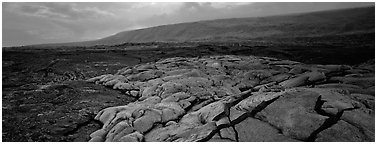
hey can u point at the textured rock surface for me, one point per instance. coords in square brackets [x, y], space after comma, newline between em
[236, 98]
[254, 130]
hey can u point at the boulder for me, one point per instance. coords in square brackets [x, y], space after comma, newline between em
[145, 122]
[293, 113]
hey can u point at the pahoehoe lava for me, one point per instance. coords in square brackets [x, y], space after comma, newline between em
[294, 101]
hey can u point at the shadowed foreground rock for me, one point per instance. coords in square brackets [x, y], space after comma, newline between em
[235, 98]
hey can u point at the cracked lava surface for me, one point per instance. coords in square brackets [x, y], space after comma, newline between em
[239, 98]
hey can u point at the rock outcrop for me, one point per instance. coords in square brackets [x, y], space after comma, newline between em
[239, 98]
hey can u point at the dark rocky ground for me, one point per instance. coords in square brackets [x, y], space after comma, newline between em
[46, 97]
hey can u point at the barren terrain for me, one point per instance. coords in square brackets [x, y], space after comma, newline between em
[292, 87]
[46, 98]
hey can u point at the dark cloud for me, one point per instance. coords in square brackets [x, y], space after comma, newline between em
[34, 23]
[59, 22]
[58, 11]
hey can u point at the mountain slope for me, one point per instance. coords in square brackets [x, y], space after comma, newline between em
[334, 22]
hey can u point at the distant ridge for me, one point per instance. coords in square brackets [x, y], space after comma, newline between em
[333, 22]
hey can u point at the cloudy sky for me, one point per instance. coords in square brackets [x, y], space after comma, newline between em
[36, 23]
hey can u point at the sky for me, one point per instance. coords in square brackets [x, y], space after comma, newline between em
[58, 22]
